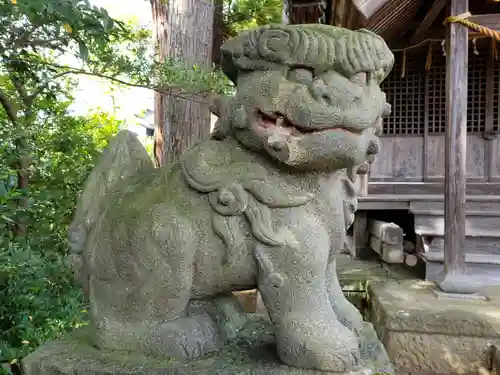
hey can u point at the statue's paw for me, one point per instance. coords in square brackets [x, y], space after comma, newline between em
[349, 316]
[354, 325]
[189, 337]
[318, 343]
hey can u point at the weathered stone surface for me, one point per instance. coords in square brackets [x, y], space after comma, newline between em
[265, 203]
[425, 335]
[252, 353]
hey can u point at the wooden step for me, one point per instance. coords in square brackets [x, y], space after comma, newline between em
[394, 188]
[475, 226]
[488, 272]
[422, 203]
[482, 257]
[474, 245]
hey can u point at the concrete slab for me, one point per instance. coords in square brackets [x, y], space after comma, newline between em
[427, 335]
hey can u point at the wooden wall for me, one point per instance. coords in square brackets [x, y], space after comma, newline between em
[413, 141]
[420, 159]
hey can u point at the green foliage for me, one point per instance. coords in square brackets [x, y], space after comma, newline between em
[34, 33]
[39, 298]
[37, 133]
[243, 14]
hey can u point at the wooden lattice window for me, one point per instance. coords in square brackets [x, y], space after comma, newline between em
[406, 96]
[476, 91]
[436, 94]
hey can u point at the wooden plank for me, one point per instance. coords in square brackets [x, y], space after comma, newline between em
[400, 158]
[471, 258]
[455, 146]
[389, 233]
[491, 21]
[247, 300]
[429, 19]
[368, 8]
[408, 246]
[360, 238]
[393, 254]
[376, 244]
[411, 260]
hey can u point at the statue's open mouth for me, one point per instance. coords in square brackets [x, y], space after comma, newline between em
[284, 126]
[287, 142]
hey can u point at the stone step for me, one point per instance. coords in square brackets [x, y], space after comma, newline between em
[427, 334]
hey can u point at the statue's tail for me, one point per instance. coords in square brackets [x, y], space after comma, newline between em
[124, 157]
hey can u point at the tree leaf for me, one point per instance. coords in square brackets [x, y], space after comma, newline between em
[108, 23]
[68, 28]
[84, 51]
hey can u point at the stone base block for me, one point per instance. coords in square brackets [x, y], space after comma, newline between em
[252, 353]
[427, 335]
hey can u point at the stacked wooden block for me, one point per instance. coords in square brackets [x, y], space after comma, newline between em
[387, 240]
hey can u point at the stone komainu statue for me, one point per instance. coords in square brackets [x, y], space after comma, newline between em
[265, 203]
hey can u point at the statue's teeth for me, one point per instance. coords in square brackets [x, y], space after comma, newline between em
[280, 121]
[351, 173]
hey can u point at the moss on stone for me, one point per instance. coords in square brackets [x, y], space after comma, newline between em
[252, 352]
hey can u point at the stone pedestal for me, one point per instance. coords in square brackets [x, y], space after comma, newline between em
[426, 334]
[252, 353]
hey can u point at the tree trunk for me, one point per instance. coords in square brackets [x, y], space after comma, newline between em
[22, 148]
[160, 18]
[218, 34]
[23, 166]
[182, 30]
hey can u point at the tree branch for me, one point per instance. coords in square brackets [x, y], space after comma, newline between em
[77, 71]
[9, 107]
[26, 99]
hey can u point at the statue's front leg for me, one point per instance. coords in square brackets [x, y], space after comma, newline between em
[346, 312]
[292, 282]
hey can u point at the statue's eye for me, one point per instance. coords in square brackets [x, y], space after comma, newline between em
[301, 75]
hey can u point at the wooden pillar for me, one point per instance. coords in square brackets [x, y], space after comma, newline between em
[454, 279]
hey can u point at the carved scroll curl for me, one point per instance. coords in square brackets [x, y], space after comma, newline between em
[238, 186]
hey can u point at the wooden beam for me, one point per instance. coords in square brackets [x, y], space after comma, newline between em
[436, 33]
[491, 21]
[454, 279]
[429, 19]
[368, 8]
[428, 188]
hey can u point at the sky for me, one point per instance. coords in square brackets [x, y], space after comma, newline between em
[95, 93]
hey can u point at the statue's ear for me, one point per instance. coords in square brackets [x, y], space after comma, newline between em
[221, 107]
